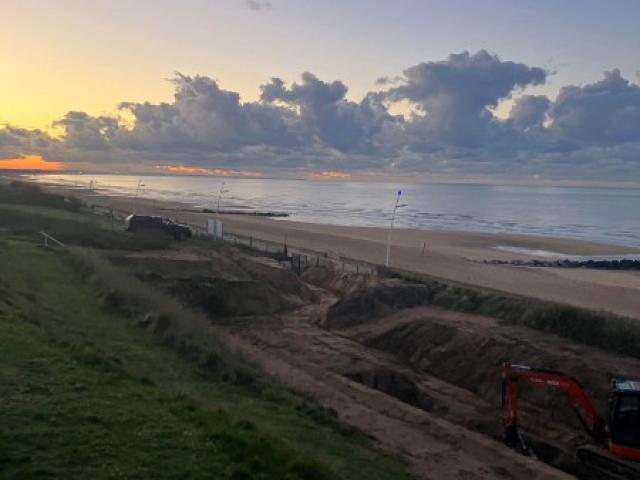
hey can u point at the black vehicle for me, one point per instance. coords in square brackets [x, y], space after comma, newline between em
[136, 223]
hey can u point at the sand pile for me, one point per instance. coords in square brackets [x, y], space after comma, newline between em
[369, 303]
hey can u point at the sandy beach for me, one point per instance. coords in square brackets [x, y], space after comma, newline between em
[458, 256]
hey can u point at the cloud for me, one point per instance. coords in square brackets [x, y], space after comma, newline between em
[529, 111]
[386, 80]
[203, 117]
[16, 142]
[455, 96]
[312, 124]
[83, 131]
[328, 118]
[604, 113]
[258, 4]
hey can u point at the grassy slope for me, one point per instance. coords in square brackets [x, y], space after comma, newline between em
[87, 395]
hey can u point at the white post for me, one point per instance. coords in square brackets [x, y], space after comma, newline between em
[222, 192]
[138, 188]
[140, 185]
[393, 218]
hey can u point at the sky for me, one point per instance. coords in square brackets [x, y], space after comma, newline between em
[182, 83]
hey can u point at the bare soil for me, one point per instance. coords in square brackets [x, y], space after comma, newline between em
[423, 382]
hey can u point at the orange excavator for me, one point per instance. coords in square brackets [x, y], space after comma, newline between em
[616, 454]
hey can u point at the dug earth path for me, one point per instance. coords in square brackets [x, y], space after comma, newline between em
[318, 362]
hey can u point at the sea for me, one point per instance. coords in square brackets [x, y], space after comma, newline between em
[607, 215]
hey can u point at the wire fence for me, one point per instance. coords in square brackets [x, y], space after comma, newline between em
[299, 258]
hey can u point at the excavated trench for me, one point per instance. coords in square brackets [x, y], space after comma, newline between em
[465, 352]
[443, 362]
[483, 420]
[397, 385]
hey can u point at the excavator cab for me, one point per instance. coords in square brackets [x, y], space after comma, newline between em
[624, 420]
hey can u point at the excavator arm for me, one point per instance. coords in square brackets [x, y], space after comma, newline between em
[513, 376]
[606, 463]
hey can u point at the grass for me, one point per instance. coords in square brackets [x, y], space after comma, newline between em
[174, 324]
[23, 193]
[86, 394]
[26, 210]
[75, 229]
[599, 329]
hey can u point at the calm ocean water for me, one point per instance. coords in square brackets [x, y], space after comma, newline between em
[600, 214]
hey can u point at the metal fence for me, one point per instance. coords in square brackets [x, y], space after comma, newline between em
[300, 258]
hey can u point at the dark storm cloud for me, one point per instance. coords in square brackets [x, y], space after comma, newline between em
[604, 113]
[328, 118]
[464, 81]
[529, 111]
[455, 96]
[83, 131]
[588, 130]
[16, 141]
[204, 117]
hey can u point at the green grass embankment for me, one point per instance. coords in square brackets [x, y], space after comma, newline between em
[87, 394]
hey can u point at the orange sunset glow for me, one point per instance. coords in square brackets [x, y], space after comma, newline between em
[330, 175]
[215, 172]
[31, 162]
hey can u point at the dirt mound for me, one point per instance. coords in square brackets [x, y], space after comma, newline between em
[384, 298]
[337, 282]
[466, 351]
[223, 282]
[222, 297]
[270, 272]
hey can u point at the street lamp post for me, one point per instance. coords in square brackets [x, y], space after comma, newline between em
[393, 219]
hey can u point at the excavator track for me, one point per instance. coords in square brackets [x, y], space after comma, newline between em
[599, 464]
